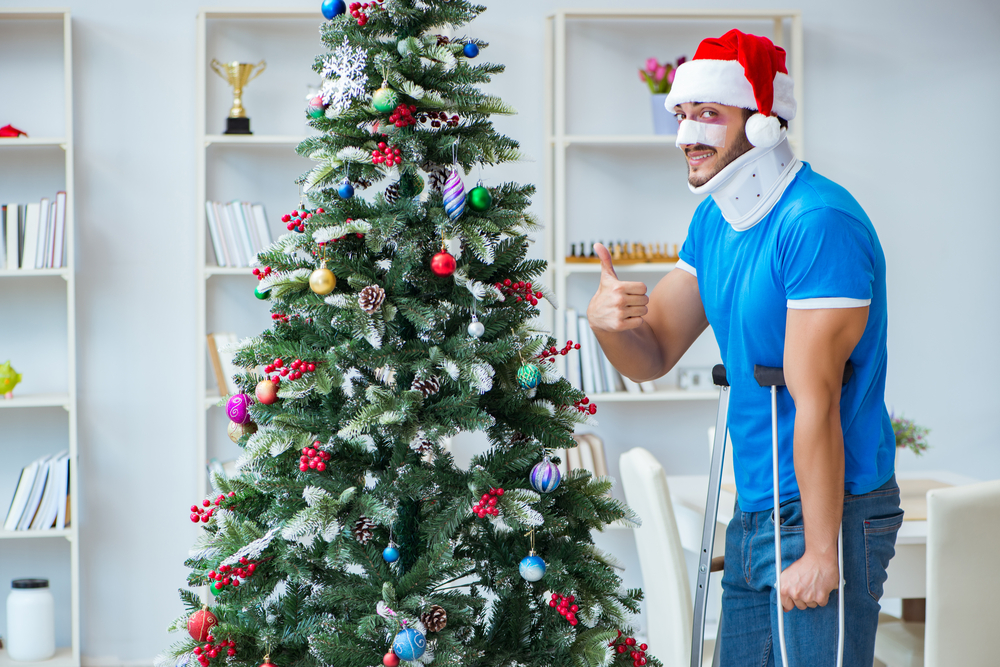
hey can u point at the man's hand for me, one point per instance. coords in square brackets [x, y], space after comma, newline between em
[808, 581]
[617, 306]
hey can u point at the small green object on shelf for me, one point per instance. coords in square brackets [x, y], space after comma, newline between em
[8, 379]
[480, 199]
[528, 376]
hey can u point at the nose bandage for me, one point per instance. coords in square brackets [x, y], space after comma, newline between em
[693, 132]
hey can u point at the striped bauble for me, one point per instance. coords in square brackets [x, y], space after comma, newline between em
[545, 476]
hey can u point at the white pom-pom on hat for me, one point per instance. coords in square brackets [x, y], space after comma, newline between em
[763, 131]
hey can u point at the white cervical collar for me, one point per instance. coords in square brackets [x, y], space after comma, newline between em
[748, 187]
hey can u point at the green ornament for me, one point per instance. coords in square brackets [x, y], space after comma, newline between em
[385, 99]
[528, 376]
[8, 379]
[261, 295]
[479, 199]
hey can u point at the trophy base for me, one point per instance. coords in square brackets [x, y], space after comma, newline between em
[237, 126]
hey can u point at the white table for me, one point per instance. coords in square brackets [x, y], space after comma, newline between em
[907, 572]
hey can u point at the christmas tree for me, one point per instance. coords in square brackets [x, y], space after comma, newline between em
[403, 313]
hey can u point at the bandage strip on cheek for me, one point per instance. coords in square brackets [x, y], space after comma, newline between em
[693, 132]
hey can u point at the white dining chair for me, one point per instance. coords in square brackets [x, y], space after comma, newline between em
[963, 585]
[661, 557]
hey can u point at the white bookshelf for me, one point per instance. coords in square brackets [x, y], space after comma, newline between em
[39, 284]
[288, 39]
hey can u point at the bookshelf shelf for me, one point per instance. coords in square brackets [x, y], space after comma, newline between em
[58, 50]
[615, 139]
[229, 271]
[252, 139]
[595, 267]
[37, 401]
[663, 395]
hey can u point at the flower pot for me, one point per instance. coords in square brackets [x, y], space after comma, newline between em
[664, 121]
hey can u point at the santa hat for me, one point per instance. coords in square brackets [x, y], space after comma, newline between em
[739, 70]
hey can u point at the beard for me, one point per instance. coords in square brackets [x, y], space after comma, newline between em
[725, 158]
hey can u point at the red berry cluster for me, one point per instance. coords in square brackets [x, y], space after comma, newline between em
[203, 515]
[227, 576]
[357, 10]
[297, 219]
[292, 371]
[266, 271]
[403, 115]
[438, 117]
[387, 155]
[637, 653]
[488, 504]
[313, 459]
[551, 353]
[522, 290]
[213, 650]
[565, 607]
[584, 405]
[279, 317]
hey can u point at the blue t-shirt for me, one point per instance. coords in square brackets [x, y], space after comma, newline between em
[815, 249]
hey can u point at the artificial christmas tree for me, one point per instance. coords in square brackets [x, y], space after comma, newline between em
[364, 540]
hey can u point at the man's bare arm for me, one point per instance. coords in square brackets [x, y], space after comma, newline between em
[818, 344]
[642, 336]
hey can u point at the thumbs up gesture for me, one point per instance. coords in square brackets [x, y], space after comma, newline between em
[618, 305]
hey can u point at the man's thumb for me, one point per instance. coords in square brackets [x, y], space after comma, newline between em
[605, 257]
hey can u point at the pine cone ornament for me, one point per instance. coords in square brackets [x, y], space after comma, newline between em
[442, 40]
[392, 193]
[437, 174]
[427, 387]
[363, 529]
[371, 298]
[362, 183]
[421, 446]
[434, 620]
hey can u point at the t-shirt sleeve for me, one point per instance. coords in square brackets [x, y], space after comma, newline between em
[827, 260]
[686, 256]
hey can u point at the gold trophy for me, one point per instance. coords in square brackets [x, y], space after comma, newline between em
[238, 75]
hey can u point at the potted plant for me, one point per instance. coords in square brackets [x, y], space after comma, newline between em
[659, 77]
[909, 435]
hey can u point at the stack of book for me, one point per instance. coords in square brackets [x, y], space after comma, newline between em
[588, 455]
[221, 350]
[590, 371]
[41, 500]
[33, 236]
[239, 231]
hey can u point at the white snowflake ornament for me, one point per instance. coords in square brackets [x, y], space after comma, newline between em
[345, 74]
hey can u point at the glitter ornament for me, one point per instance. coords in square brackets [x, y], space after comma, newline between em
[480, 199]
[200, 624]
[333, 8]
[391, 553]
[237, 431]
[443, 264]
[390, 659]
[322, 281]
[545, 476]
[476, 328]
[385, 99]
[409, 644]
[532, 567]
[238, 408]
[267, 392]
[345, 189]
[528, 376]
[454, 195]
[470, 50]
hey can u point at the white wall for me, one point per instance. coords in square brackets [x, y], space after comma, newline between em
[901, 101]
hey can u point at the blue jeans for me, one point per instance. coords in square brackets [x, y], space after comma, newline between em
[749, 604]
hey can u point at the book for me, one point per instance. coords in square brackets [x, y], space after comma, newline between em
[223, 235]
[611, 374]
[213, 232]
[221, 350]
[647, 387]
[62, 497]
[35, 497]
[631, 386]
[232, 234]
[48, 510]
[37, 258]
[30, 251]
[3, 236]
[597, 450]
[593, 356]
[263, 229]
[44, 261]
[255, 239]
[586, 367]
[573, 358]
[573, 455]
[242, 233]
[59, 233]
[21, 493]
[586, 453]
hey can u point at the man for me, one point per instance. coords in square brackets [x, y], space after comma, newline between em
[788, 270]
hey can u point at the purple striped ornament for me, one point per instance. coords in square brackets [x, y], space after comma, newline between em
[545, 476]
[238, 408]
[454, 195]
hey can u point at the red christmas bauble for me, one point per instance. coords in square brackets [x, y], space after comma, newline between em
[268, 664]
[267, 392]
[390, 659]
[443, 264]
[200, 624]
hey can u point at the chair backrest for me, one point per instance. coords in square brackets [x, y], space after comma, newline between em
[963, 579]
[661, 556]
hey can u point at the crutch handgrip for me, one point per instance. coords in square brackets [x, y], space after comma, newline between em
[770, 376]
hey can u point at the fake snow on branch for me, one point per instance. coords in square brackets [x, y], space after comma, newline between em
[345, 71]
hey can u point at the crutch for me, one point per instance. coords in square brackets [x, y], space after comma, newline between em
[766, 377]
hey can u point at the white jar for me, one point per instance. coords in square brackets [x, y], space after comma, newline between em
[31, 631]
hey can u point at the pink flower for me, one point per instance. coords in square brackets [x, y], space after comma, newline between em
[642, 76]
[651, 65]
[670, 76]
[661, 72]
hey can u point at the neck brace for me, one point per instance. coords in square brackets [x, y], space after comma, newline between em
[748, 187]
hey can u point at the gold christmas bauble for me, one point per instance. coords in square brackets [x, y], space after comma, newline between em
[237, 431]
[322, 281]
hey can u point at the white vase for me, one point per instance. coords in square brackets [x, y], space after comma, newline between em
[664, 120]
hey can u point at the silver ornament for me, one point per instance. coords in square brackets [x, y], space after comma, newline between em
[476, 328]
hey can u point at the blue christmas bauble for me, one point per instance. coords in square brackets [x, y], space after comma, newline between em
[545, 476]
[528, 376]
[454, 195]
[333, 8]
[470, 50]
[532, 568]
[409, 644]
[345, 190]
[390, 553]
